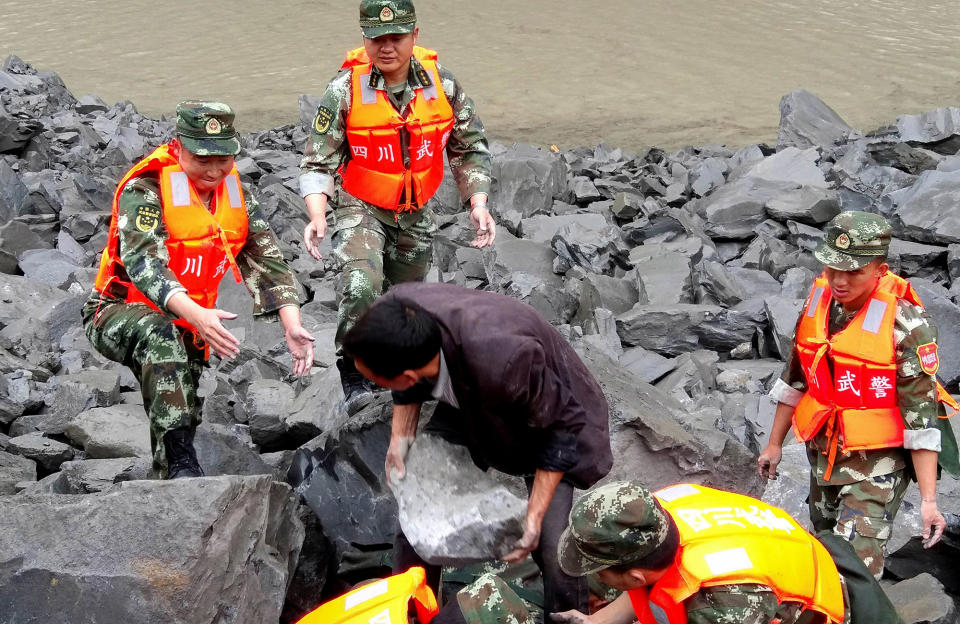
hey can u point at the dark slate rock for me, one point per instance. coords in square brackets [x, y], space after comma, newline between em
[729, 286]
[584, 190]
[646, 365]
[228, 450]
[527, 179]
[665, 277]
[626, 205]
[90, 104]
[927, 209]
[804, 236]
[915, 258]
[782, 315]
[451, 511]
[647, 438]
[524, 270]
[610, 293]
[666, 329]
[542, 228]
[108, 432]
[268, 401]
[735, 209]
[707, 175]
[308, 105]
[16, 130]
[49, 311]
[806, 121]
[809, 204]
[94, 475]
[14, 197]
[922, 600]
[953, 261]
[48, 266]
[599, 251]
[48, 453]
[144, 543]
[797, 282]
[693, 377]
[938, 129]
[340, 476]
[15, 469]
[789, 166]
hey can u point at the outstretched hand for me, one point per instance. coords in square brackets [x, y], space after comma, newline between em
[486, 227]
[396, 454]
[527, 543]
[209, 324]
[934, 523]
[300, 343]
[769, 460]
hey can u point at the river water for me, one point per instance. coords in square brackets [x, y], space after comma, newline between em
[631, 73]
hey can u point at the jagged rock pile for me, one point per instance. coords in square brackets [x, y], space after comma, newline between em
[678, 276]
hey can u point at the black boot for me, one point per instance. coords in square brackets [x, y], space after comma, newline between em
[181, 456]
[357, 392]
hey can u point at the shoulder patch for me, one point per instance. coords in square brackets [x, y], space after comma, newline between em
[321, 122]
[929, 359]
[148, 218]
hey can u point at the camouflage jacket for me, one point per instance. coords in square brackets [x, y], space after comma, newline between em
[146, 260]
[916, 395]
[739, 604]
[467, 148]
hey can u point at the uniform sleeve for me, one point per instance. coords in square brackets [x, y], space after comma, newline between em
[549, 404]
[143, 248]
[265, 273]
[916, 390]
[326, 148]
[467, 148]
[729, 604]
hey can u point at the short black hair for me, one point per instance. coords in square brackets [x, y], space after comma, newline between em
[662, 556]
[393, 336]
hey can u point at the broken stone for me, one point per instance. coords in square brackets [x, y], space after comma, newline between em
[809, 204]
[665, 277]
[15, 469]
[48, 454]
[937, 129]
[646, 365]
[922, 600]
[542, 228]
[915, 259]
[806, 121]
[228, 450]
[527, 179]
[927, 209]
[451, 511]
[116, 431]
[144, 543]
[599, 251]
[946, 315]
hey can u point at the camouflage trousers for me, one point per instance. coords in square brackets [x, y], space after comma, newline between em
[488, 600]
[862, 512]
[167, 366]
[373, 255]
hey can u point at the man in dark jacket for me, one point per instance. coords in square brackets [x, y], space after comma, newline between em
[510, 389]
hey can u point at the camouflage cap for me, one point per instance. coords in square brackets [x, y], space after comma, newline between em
[387, 17]
[489, 600]
[615, 524]
[852, 240]
[206, 129]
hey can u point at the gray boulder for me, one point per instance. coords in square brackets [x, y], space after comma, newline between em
[94, 475]
[646, 365]
[524, 269]
[937, 129]
[542, 228]
[666, 277]
[598, 251]
[228, 450]
[49, 454]
[909, 258]
[806, 121]
[14, 196]
[946, 315]
[191, 551]
[115, 431]
[782, 315]
[809, 204]
[527, 179]
[15, 469]
[452, 512]
[922, 600]
[927, 209]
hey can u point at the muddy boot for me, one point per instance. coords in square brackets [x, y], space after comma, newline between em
[181, 456]
[357, 392]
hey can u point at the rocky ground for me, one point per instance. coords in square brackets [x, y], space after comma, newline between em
[678, 276]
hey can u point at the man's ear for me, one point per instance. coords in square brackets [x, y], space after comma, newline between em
[175, 148]
[416, 32]
[410, 377]
[637, 575]
[883, 268]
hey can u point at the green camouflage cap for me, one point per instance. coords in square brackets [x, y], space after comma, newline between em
[206, 129]
[387, 17]
[489, 600]
[852, 240]
[615, 524]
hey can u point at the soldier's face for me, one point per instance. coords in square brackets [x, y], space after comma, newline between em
[206, 172]
[853, 288]
[391, 53]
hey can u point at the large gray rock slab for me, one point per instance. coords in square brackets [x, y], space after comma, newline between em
[452, 512]
[647, 438]
[48, 266]
[610, 293]
[646, 365]
[806, 121]
[927, 209]
[728, 286]
[116, 431]
[922, 600]
[48, 453]
[524, 270]
[809, 204]
[666, 278]
[913, 259]
[191, 551]
[938, 127]
[676, 329]
[946, 314]
[782, 315]
[791, 166]
[14, 196]
[94, 475]
[268, 402]
[31, 309]
[527, 179]
[15, 469]
[228, 450]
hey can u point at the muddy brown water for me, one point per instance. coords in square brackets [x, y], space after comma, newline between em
[631, 73]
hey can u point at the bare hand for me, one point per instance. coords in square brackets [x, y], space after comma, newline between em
[933, 523]
[208, 323]
[526, 544]
[769, 460]
[300, 343]
[396, 454]
[486, 227]
[313, 235]
[571, 617]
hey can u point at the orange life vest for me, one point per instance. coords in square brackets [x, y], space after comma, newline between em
[731, 539]
[375, 171]
[857, 401]
[202, 244]
[383, 602]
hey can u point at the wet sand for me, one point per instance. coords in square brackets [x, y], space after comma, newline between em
[631, 73]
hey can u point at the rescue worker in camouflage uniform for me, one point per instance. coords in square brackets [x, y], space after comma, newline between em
[376, 154]
[860, 389]
[181, 222]
[692, 554]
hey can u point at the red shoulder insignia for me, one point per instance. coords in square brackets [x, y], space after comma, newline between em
[929, 359]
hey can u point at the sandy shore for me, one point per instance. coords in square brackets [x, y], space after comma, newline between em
[631, 73]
